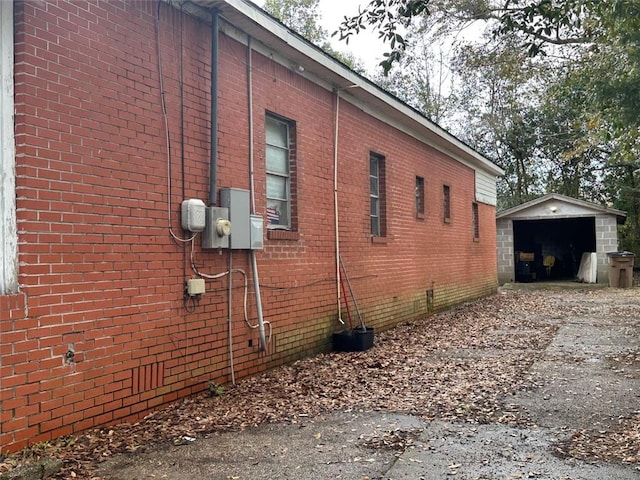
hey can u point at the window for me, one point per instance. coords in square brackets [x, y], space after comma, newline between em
[446, 203]
[279, 154]
[475, 221]
[377, 195]
[419, 197]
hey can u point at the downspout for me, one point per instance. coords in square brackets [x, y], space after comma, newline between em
[335, 207]
[213, 161]
[252, 252]
[213, 170]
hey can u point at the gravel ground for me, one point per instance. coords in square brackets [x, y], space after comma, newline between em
[525, 384]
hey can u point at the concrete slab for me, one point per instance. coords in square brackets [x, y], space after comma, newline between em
[491, 452]
[587, 378]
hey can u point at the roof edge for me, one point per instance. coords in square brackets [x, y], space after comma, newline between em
[351, 78]
[562, 198]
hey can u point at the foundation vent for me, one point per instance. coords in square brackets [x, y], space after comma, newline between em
[147, 377]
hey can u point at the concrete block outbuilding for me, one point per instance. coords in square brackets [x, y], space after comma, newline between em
[545, 239]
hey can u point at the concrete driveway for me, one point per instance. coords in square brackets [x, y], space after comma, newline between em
[585, 382]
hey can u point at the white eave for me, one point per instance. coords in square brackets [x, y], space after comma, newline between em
[519, 211]
[262, 27]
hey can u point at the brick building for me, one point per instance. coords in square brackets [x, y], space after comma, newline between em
[109, 109]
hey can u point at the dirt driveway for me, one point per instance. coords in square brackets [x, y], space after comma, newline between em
[526, 384]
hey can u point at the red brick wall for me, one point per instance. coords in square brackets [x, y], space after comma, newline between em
[99, 271]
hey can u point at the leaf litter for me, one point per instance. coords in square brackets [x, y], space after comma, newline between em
[461, 364]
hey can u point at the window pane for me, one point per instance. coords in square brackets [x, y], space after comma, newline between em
[376, 194]
[277, 213]
[276, 187]
[373, 181]
[375, 226]
[475, 220]
[277, 161]
[446, 194]
[276, 133]
[373, 162]
[419, 195]
[374, 207]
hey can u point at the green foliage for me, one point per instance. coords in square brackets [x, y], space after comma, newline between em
[421, 79]
[215, 390]
[303, 17]
[552, 95]
[544, 22]
[497, 98]
[537, 23]
[299, 15]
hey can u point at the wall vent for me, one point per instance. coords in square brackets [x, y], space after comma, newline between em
[147, 377]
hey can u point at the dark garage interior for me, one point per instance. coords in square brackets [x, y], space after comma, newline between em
[551, 249]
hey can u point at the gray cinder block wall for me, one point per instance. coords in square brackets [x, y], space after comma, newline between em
[504, 241]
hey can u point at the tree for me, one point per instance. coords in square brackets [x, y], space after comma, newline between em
[497, 115]
[574, 129]
[300, 15]
[303, 17]
[608, 75]
[422, 79]
[537, 22]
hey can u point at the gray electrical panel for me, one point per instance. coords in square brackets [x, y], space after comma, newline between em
[257, 242]
[237, 201]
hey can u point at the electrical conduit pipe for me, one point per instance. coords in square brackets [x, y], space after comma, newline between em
[252, 253]
[335, 207]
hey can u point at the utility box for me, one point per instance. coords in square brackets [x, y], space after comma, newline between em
[193, 215]
[215, 234]
[257, 233]
[237, 201]
[195, 287]
[621, 269]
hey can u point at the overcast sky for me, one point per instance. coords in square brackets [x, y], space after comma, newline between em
[365, 45]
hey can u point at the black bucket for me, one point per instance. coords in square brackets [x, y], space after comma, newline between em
[356, 340]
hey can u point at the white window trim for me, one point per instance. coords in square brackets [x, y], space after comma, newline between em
[8, 227]
[378, 197]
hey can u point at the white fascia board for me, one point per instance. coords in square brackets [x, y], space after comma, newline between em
[274, 27]
[513, 211]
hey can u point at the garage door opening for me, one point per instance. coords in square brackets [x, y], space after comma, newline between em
[551, 249]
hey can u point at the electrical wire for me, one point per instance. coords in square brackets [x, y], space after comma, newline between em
[190, 239]
[183, 175]
[189, 309]
[166, 131]
[219, 275]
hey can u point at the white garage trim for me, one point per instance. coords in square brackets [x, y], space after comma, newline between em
[8, 231]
